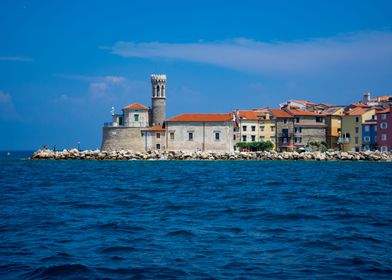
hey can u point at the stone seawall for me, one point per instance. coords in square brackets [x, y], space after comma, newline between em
[74, 154]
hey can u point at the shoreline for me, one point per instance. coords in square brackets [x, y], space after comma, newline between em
[123, 155]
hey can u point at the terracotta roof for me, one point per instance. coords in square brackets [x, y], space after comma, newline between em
[302, 113]
[359, 105]
[155, 128]
[249, 115]
[380, 98]
[280, 113]
[202, 118]
[357, 111]
[384, 111]
[135, 106]
[370, 122]
[303, 102]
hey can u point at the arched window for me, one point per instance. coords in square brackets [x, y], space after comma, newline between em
[163, 91]
[158, 91]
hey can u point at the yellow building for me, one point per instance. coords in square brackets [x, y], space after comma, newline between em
[352, 121]
[333, 120]
[255, 126]
[266, 127]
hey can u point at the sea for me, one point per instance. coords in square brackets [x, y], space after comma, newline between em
[194, 219]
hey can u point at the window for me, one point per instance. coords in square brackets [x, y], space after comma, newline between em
[171, 135]
[158, 135]
[367, 128]
[217, 136]
[356, 130]
[285, 120]
[136, 117]
[298, 129]
[272, 128]
[383, 137]
[297, 139]
[384, 149]
[190, 136]
[284, 140]
[383, 125]
[262, 128]
[366, 139]
[297, 120]
[356, 139]
[244, 128]
[253, 138]
[234, 137]
[384, 116]
[158, 146]
[253, 128]
[356, 119]
[262, 138]
[243, 138]
[272, 138]
[319, 119]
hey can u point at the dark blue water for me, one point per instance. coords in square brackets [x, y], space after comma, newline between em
[195, 220]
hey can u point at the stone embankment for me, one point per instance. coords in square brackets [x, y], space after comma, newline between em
[74, 154]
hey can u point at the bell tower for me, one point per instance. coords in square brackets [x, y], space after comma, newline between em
[158, 83]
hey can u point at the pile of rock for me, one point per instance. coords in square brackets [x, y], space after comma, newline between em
[74, 154]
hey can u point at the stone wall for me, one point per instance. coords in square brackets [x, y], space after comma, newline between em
[203, 136]
[122, 138]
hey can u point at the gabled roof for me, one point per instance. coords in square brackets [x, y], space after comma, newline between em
[303, 102]
[385, 111]
[331, 110]
[135, 106]
[249, 115]
[155, 128]
[280, 113]
[358, 111]
[202, 118]
[302, 113]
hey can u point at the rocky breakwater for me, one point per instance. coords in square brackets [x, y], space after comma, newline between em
[74, 154]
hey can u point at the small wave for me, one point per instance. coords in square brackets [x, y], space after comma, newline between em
[117, 250]
[181, 233]
[58, 257]
[61, 271]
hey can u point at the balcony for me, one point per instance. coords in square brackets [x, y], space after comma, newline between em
[343, 140]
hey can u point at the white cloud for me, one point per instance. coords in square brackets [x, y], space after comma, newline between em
[7, 107]
[16, 58]
[100, 88]
[349, 51]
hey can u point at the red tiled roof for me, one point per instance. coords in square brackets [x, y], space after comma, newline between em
[280, 113]
[359, 105]
[380, 98]
[202, 118]
[135, 106]
[303, 102]
[249, 115]
[155, 128]
[385, 111]
[357, 111]
[302, 113]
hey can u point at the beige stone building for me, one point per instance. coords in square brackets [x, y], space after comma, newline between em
[201, 132]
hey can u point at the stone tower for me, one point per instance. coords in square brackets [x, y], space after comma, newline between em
[158, 82]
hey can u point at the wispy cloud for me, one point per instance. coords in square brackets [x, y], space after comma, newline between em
[364, 49]
[16, 58]
[104, 88]
[7, 107]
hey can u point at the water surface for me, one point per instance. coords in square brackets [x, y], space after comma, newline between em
[194, 219]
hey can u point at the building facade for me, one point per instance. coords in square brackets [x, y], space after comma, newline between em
[333, 120]
[201, 132]
[384, 130]
[352, 121]
[369, 135]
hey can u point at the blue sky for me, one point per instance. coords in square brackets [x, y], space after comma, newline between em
[64, 64]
